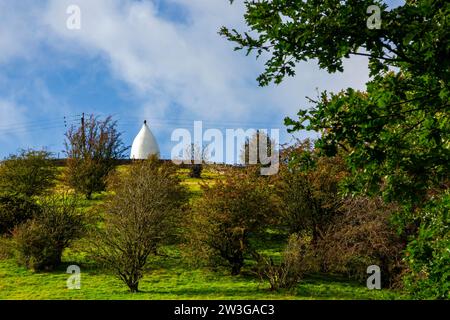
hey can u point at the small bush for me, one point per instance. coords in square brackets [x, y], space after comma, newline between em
[14, 210]
[298, 259]
[196, 170]
[29, 173]
[36, 248]
[428, 254]
[40, 242]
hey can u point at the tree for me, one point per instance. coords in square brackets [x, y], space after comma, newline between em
[92, 150]
[256, 149]
[196, 156]
[229, 213]
[29, 173]
[397, 131]
[428, 254]
[308, 185]
[142, 214]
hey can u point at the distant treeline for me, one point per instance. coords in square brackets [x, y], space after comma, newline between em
[63, 162]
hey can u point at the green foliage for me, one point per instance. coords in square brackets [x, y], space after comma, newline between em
[40, 242]
[29, 173]
[92, 150]
[414, 35]
[167, 275]
[396, 132]
[14, 210]
[397, 144]
[229, 212]
[428, 255]
[142, 214]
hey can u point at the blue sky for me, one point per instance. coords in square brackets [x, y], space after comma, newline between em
[160, 60]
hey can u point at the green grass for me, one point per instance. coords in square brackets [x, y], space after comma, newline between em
[170, 277]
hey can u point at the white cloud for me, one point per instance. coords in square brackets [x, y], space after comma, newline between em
[188, 63]
[20, 29]
[168, 62]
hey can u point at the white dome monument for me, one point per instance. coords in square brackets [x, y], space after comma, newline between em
[144, 145]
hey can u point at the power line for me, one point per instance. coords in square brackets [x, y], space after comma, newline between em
[49, 119]
[34, 123]
[32, 126]
[126, 121]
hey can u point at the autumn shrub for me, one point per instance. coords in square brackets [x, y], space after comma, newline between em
[39, 242]
[363, 235]
[142, 213]
[230, 211]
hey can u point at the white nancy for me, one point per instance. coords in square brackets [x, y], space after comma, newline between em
[144, 145]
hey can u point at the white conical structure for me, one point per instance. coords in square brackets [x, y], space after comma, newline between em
[144, 145]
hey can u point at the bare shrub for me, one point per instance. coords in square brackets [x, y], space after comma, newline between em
[297, 259]
[196, 156]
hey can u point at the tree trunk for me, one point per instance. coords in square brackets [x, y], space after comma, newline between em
[133, 286]
[237, 263]
[236, 269]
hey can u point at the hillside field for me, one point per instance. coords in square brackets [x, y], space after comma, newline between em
[169, 276]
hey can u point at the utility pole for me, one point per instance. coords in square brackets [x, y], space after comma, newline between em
[83, 135]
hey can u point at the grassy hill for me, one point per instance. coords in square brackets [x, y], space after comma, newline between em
[169, 276]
